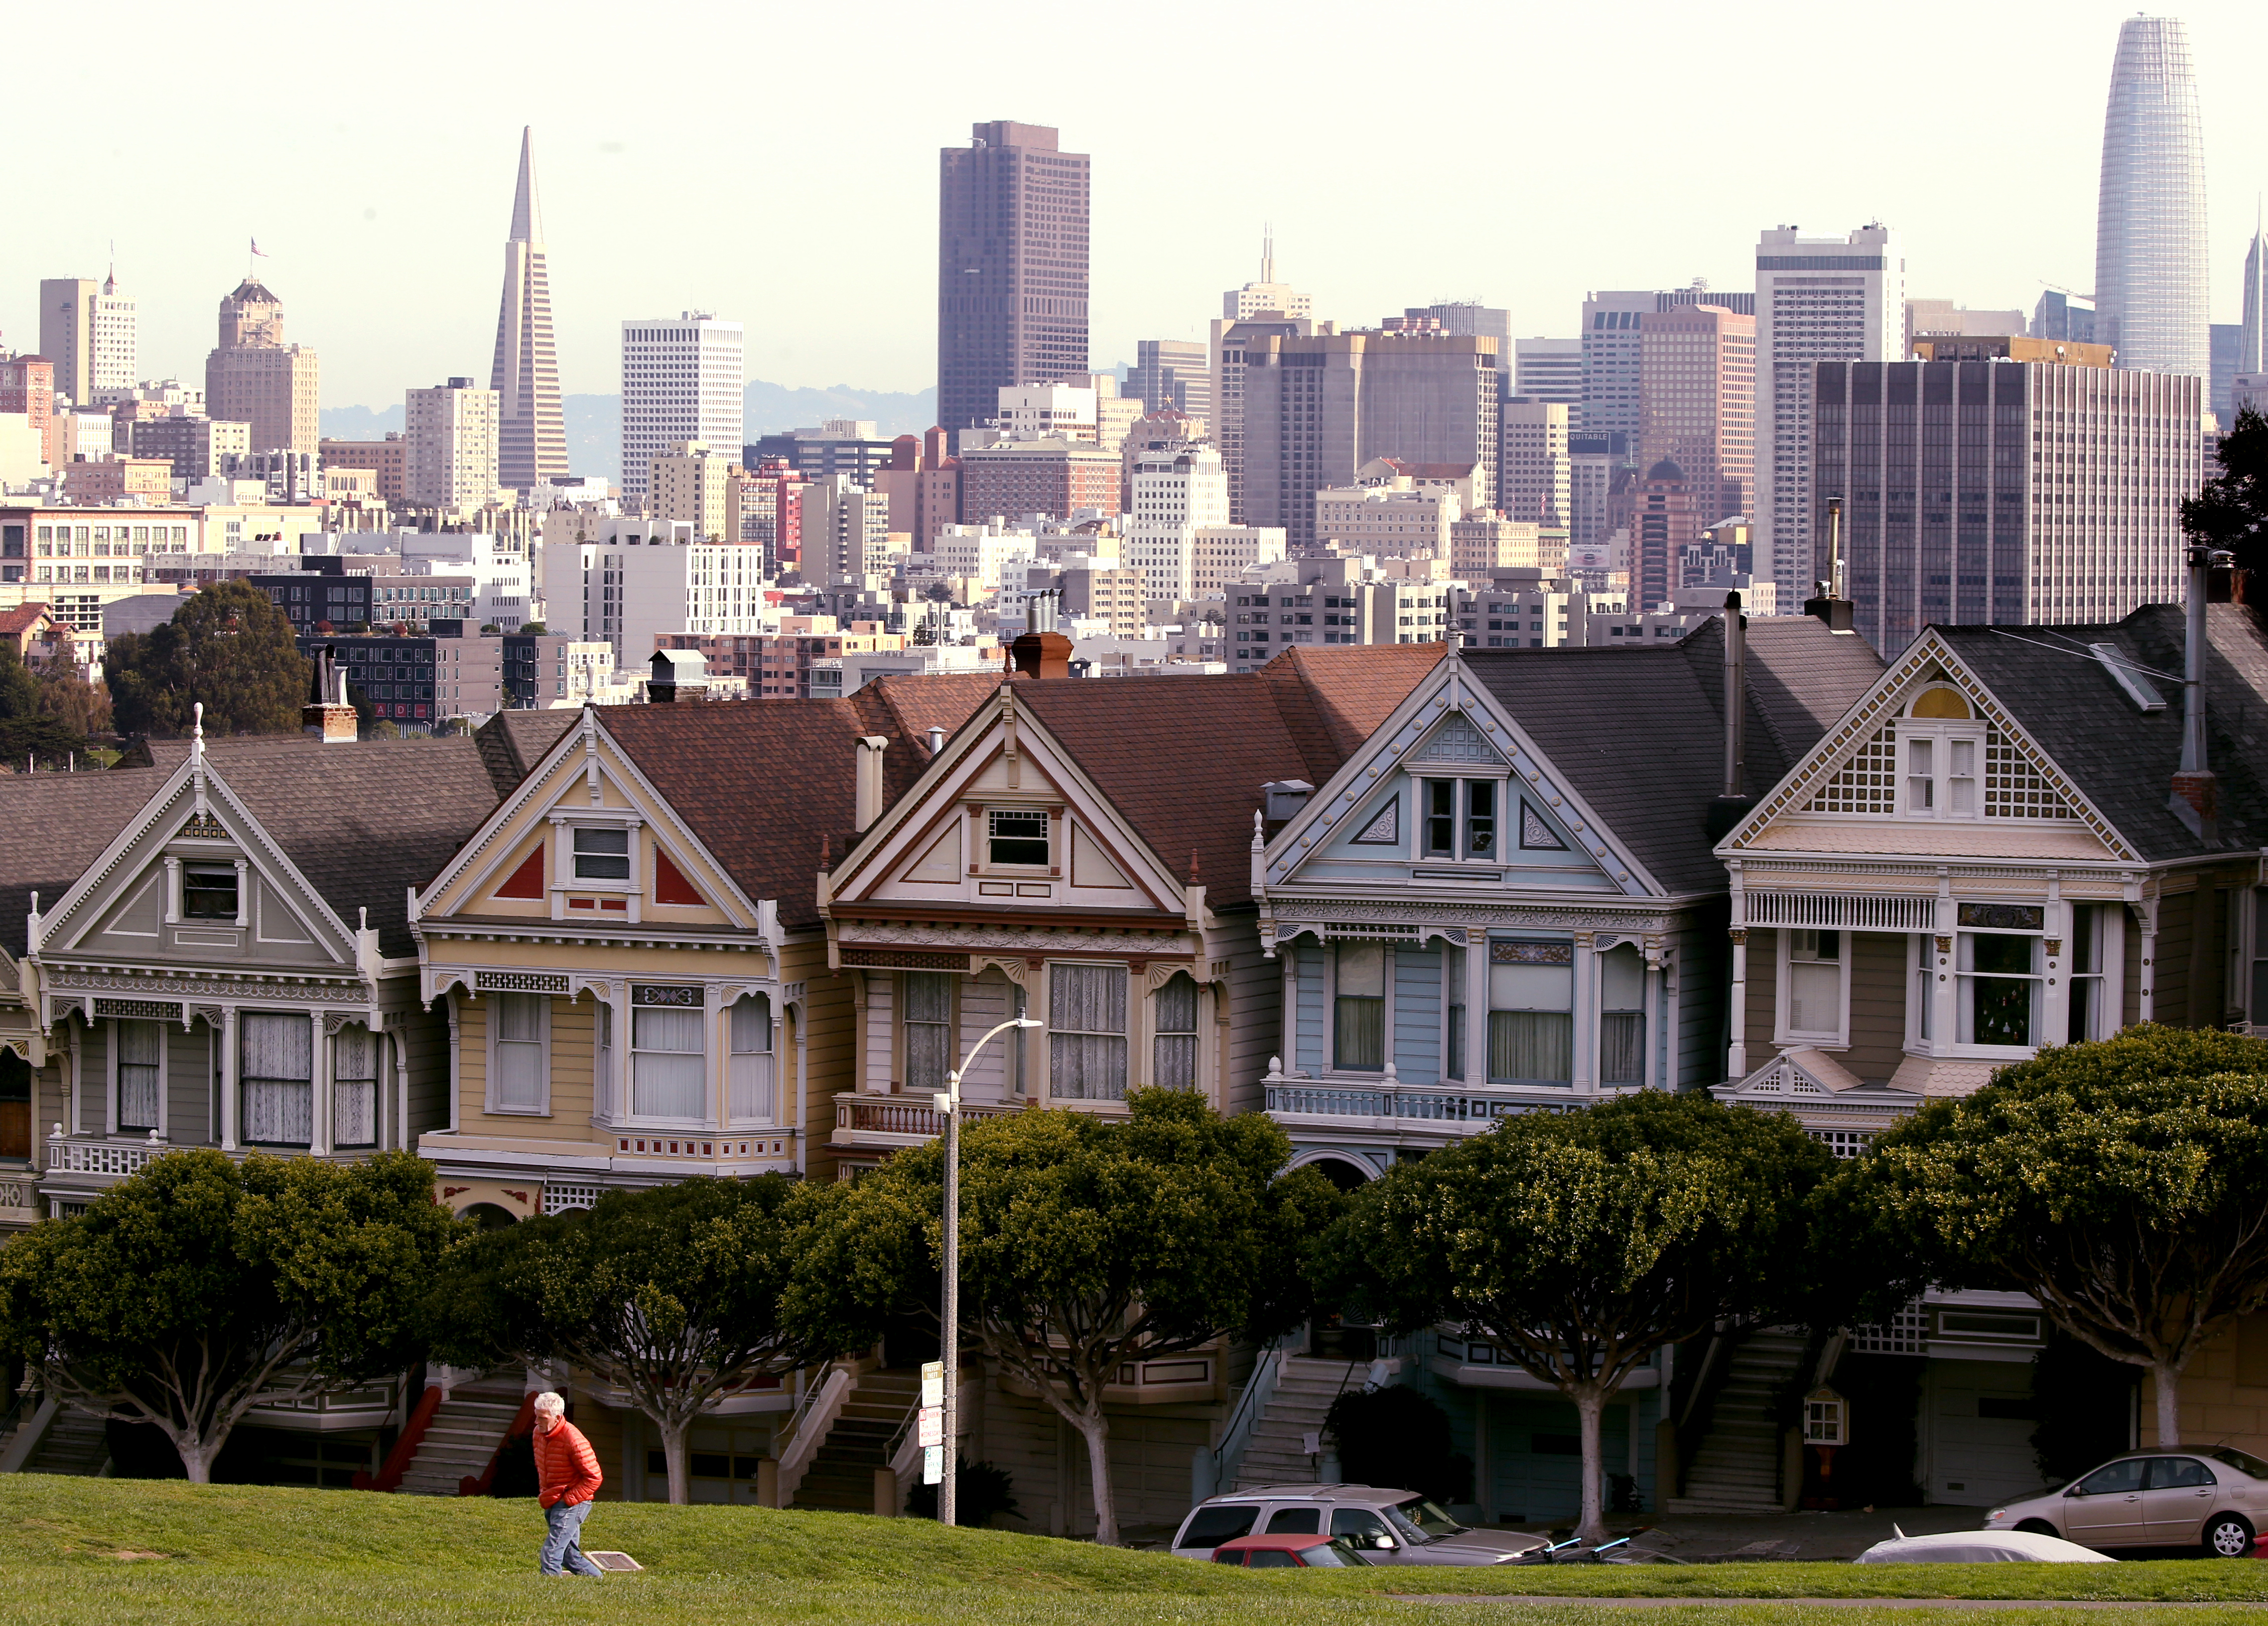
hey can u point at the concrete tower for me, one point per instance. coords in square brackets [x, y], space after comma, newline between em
[532, 433]
[2253, 348]
[254, 377]
[2150, 227]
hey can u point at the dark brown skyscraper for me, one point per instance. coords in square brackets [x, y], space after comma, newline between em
[1011, 268]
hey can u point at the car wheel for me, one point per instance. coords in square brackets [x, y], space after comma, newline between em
[2038, 1526]
[2227, 1535]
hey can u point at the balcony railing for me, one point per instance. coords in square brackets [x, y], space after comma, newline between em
[1293, 1097]
[904, 1119]
[67, 1156]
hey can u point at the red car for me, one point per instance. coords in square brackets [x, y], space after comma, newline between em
[1287, 1551]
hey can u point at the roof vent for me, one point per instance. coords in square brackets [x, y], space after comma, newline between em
[2128, 676]
[1282, 799]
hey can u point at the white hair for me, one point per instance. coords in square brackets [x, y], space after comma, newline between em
[549, 1403]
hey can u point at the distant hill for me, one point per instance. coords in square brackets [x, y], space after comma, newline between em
[595, 422]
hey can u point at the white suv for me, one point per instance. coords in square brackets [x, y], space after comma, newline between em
[1388, 1527]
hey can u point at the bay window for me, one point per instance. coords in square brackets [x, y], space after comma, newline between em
[2000, 989]
[751, 1077]
[1622, 1015]
[1358, 1009]
[353, 1086]
[928, 996]
[667, 1054]
[139, 1050]
[2084, 956]
[1818, 966]
[1087, 1029]
[517, 1074]
[1174, 1047]
[277, 1066]
[1531, 1013]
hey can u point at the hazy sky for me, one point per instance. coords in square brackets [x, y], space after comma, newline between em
[779, 164]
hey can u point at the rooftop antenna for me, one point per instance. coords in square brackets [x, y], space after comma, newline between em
[1267, 253]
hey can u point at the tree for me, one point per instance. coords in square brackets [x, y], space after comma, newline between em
[671, 1295]
[2231, 512]
[1085, 1243]
[228, 648]
[201, 1285]
[67, 697]
[534, 629]
[2124, 1183]
[27, 733]
[1582, 1242]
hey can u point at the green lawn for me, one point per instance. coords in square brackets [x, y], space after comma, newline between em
[80, 1551]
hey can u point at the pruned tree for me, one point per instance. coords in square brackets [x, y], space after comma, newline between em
[671, 1295]
[201, 1286]
[1086, 1243]
[2231, 512]
[2124, 1183]
[227, 648]
[1582, 1242]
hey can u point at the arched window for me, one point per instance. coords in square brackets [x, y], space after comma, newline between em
[1622, 1015]
[1175, 1007]
[354, 1087]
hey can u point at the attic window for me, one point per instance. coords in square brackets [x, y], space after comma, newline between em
[1017, 836]
[208, 892]
[602, 853]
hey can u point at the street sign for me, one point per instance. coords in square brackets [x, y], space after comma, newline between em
[932, 1383]
[933, 1464]
[931, 1425]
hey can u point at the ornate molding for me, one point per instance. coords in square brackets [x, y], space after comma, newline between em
[249, 991]
[1305, 915]
[977, 938]
[1011, 965]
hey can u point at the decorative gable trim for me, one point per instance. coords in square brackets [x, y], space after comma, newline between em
[1863, 724]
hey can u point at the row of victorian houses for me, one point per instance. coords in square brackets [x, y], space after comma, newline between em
[1388, 894]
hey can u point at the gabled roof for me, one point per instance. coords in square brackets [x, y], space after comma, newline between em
[2122, 758]
[1639, 733]
[512, 743]
[54, 826]
[766, 784]
[1182, 759]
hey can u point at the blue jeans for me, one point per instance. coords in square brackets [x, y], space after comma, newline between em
[562, 1541]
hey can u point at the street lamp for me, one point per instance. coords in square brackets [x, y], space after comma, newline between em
[949, 1102]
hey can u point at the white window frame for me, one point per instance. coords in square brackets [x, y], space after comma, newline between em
[1331, 1067]
[1055, 834]
[627, 1051]
[1960, 993]
[376, 1082]
[769, 1053]
[164, 1057]
[543, 1038]
[1131, 1034]
[1461, 817]
[564, 877]
[1783, 1032]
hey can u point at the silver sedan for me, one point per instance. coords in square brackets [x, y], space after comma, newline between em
[2211, 1497]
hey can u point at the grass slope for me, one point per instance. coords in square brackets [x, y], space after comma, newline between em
[79, 1550]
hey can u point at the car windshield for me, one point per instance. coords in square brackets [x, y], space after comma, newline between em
[2243, 1462]
[1335, 1554]
[1421, 1521]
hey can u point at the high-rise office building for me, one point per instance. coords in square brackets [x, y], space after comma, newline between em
[1535, 476]
[1466, 318]
[1697, 405]
[1818, 298]
[526, 374]
[254, 377]
[1929, 319]
[1267, 297]
[2149, 224]
[1548, 370]
[1011, 266]
[1234, 340]
[2005, 491]
[88, 329]
[1175, 374]
[2062, 315]
[450, 440]
[2252, 339]
[692, 482]
[1610, 352]
[681, 381]
[1177, 491]
[2227, 344]
[1318, 408]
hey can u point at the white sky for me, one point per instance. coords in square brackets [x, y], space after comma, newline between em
[777, 164]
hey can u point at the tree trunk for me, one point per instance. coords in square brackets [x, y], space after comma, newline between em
[2168, 1383]
[197, 1454]
[1590, 1407]
[1095, 1428]
[676, 1448]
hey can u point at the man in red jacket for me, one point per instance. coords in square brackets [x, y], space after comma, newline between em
[567, 1477]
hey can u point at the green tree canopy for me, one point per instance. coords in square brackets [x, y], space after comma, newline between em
[29, 732]
[200, 1285]
[1085, 1243]
[2231, 511]
[671, 1295]
[1582, 1242]
[2124, 1183]
[229, 649]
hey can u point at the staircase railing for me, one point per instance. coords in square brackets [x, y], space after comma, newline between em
[809, 1428]
[1212, 1471]
[389, 1477]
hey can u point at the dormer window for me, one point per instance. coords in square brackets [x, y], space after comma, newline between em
[1459, 818]
[1017, 836]
[1944, 752]
[208, 892]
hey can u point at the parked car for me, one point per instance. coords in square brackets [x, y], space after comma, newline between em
[1386, 1526]
[2213, 1498]
[1290, 1552]
[1981, 1546]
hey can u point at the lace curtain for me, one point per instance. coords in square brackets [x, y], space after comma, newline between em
[276, 1057]
[666, 1064]
[929, 1028]
[518, 1019]
[1086, 1027]
[353, 1086]
[1175, 1009]
[751, 1077]
[138, 1045]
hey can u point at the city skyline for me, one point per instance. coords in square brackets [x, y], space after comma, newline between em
[1989, 234]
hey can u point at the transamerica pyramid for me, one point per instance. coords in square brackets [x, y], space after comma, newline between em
[533, 434]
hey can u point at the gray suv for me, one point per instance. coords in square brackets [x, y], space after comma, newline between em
[1388, 1527]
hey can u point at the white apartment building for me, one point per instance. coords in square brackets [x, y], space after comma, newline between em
[451, 445]
[1221, 554]
[640, 579]
[1175, 490]
[1535, 475]
[1818, 298]
[1038, 411]
[1393, 520]
[681, 381]
[503, 579]
[846, 532]
[990, 554]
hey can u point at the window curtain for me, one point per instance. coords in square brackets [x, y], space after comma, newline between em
[1175, 1009]
[751, 1060]
[518, 1019]
[137, 1073]
[1087, 1023]
[276, 1061]
[1622, 1015]
[1531, 1014]
[353, 1086]
[929, 1028]
[602, 1046]
[665, 1062]
[1358, 1012]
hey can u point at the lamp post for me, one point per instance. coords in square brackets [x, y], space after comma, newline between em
[949, 1102]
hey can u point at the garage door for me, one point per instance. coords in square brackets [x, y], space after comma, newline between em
[1980, 1427]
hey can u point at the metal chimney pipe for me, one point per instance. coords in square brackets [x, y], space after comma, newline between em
[1736, 690]
[2193, 664]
